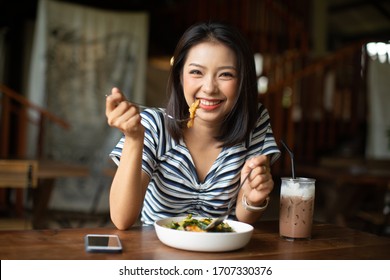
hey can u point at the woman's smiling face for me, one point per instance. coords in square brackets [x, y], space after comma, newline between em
[210, 74]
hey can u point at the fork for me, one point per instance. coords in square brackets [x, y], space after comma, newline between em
[162, 110]
[215, 222]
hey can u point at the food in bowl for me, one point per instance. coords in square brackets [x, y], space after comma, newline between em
[198, 225]
[203, 241]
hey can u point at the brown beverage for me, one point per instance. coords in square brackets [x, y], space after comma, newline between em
[296, 208]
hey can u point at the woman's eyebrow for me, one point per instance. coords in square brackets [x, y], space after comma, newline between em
[221, 67]
[196, 65]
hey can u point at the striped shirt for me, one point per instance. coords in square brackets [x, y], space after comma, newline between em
[174, 188]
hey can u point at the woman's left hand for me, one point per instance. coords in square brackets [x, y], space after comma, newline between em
[259, 183]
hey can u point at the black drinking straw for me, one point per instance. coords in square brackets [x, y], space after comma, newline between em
[291, 157]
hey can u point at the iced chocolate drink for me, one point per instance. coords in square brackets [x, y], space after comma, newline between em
[296, 208]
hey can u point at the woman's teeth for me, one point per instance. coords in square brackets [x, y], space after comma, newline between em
[209, 103]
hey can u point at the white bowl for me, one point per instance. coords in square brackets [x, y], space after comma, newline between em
[204, 241]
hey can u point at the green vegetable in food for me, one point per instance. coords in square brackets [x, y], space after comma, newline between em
[198, 225]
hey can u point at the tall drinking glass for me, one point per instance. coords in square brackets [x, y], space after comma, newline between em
[296, 208]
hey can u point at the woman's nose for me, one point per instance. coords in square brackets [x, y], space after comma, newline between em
[209, 85]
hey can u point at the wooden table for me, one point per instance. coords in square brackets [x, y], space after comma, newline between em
[141, 243]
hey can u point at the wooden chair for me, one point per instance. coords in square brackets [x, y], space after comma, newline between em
[19, 175]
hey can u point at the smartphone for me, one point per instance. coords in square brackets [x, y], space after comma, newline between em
[103, 243]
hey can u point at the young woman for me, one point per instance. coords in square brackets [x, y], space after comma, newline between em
[168, 168]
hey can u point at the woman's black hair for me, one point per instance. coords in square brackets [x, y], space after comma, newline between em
[242, 119]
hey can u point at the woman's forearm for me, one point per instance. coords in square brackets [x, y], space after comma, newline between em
[127, 192]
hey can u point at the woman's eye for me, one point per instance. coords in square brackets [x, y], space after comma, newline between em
[195, 72]
[227, 75]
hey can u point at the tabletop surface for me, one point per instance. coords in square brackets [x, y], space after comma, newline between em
[141, 243]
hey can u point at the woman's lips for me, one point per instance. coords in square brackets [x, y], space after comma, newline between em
[207, 104]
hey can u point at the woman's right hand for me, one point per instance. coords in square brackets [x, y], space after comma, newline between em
[123, 115]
